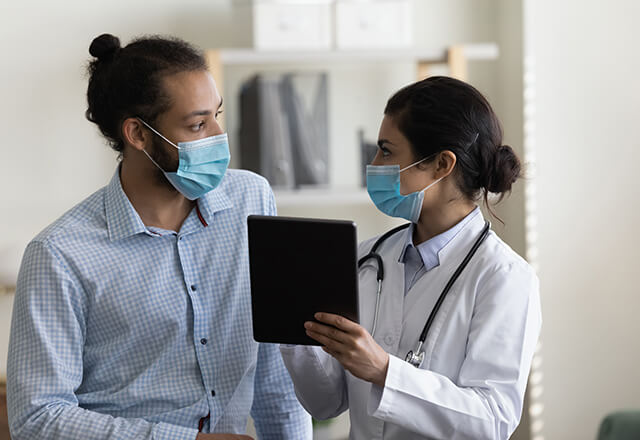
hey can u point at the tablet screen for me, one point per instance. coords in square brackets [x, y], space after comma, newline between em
[300, 266]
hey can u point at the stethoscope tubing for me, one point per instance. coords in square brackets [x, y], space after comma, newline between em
[416, 358]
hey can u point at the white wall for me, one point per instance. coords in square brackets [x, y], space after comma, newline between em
[587, 105]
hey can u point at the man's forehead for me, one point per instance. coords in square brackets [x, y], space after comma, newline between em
[191, 91]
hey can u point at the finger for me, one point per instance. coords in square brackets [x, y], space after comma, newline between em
[329, 332]
[333, 345]
[337, 321]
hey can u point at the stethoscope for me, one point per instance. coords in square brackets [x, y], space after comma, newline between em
[416, 357]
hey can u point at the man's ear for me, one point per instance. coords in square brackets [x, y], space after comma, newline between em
[135, 134]
[445, 163]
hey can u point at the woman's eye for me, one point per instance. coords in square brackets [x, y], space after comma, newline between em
[385, 151]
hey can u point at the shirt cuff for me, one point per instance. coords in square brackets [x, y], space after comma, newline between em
[167, 431]
[382, 399]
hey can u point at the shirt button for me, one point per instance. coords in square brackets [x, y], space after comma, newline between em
[388, 340]
[213, 393]
[203, 341]
[193, 287]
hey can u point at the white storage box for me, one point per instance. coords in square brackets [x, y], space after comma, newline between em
[373, 24]
[292, 24]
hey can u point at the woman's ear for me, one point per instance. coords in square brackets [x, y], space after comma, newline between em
[135, 135]
[445, 163]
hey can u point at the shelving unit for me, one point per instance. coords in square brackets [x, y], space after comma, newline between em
[321, 196]
[454, 59]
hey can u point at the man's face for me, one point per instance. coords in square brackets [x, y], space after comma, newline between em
[194, 106]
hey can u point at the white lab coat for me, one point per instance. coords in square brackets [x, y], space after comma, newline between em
[477, 354]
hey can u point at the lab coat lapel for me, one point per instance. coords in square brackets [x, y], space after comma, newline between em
[450, 258]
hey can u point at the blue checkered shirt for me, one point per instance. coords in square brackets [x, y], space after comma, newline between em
[122, 331]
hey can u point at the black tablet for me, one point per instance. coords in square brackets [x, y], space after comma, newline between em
[300, 266]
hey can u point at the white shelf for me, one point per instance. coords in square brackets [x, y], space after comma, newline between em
[321, 196]
[477, 51]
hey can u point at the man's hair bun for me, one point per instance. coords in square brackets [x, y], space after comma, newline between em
[104, 47]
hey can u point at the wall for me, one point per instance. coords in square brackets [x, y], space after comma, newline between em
[587, 96]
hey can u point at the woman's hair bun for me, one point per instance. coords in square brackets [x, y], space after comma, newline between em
[506, 170]
[104, 47]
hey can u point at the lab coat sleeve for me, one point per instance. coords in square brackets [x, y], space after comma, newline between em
[319, 380]
[486, 401]
[45, 362]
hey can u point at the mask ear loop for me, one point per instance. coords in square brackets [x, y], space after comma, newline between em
[416, 163]
[158, 133]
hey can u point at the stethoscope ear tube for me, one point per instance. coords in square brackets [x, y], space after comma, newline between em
[380, 271]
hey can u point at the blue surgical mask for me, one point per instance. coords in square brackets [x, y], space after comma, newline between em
[383, 185]
[201, 165]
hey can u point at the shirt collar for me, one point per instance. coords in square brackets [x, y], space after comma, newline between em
[429, 250]
[214, 201]
[123, 220]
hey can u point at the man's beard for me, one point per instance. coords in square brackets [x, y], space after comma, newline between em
[165, 161]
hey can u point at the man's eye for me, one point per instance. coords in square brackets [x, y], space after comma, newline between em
[219, 112]
[198, 126]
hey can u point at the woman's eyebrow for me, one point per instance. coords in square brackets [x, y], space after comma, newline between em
[381, 142]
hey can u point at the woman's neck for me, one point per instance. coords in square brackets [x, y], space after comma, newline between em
[438, 220]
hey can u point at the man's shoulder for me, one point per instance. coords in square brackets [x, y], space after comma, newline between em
[84, 216]
[244, 178]
[242, 185]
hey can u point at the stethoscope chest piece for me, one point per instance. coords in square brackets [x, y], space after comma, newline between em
[416, 358]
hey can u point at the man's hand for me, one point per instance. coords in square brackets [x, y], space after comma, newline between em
[202, 436]
[352, 345]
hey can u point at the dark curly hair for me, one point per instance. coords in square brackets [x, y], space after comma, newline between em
[127, 81]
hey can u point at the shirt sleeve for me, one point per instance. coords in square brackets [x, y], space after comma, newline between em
[319, 380]
[45, 363]
[486, 401]
[276, 412]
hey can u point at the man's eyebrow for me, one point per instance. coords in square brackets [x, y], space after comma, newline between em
[220, 105]
[198, 113]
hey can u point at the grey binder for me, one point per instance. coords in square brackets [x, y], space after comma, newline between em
[284, 130]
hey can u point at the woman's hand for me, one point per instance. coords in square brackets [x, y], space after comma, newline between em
[351, 345]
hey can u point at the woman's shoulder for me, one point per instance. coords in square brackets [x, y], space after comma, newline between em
[500, 260]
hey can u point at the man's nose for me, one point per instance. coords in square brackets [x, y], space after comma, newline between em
[216, 129]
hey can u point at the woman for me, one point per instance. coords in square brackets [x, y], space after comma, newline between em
[440, 150]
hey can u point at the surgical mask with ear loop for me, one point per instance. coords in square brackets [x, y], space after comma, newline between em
[383, 186]
[201, 166]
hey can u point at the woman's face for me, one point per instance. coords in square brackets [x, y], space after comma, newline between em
[395, 149]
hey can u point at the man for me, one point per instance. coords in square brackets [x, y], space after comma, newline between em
[132, 311]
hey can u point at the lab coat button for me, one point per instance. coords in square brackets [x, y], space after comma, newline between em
[388, 340]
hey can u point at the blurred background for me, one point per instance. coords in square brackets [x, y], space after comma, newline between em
[561, 75]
